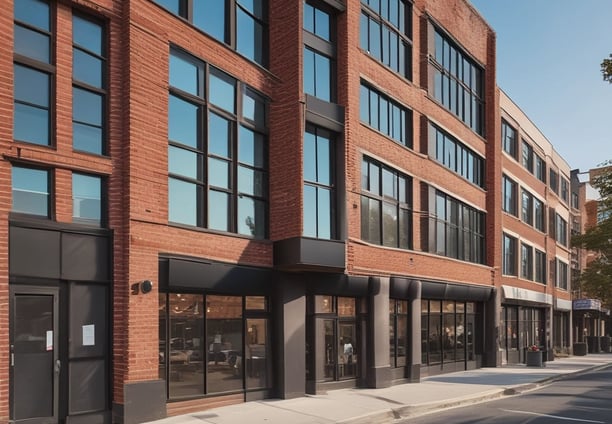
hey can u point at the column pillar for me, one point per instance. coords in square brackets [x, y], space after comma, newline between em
[378, 372]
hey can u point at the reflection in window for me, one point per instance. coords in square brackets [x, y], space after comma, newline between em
[89, 89]
[87, 198]
[398, 332]
[319, 187]
[32, 84]
[30, 190]
[509, 251]
[385, 33]
[386, 115]
[317, 75]
[201, 344]
[386, 201]
[217, 153]
[248, 35]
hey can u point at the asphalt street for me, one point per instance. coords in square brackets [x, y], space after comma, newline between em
[585, 398]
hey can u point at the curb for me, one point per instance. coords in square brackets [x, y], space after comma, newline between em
[413, 411]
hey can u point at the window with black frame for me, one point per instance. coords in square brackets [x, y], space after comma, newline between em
[88, 202]
[319, 183]
[31, 191]
[386, 33]
[458, 81]
[386, 205]
[217, 150]
[89, 85]
[509, 139]
[510, 254]
[241, 24]
[34, 71]
[319, 51]
[385, 115]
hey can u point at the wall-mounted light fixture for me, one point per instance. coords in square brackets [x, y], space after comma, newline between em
[144, 287]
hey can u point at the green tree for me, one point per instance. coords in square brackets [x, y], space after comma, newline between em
[596, 280]
[606, 69]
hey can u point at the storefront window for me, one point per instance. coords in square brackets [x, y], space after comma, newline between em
[398, 332]
[201, 340]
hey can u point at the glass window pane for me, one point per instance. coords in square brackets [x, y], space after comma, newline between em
[324, 171]
[31, 124]
[364, 104]
[86, 68]
[218, 210]
[251, 217]
[183, 122]
[218, 173]
[222, 91]
[86, 107]
[31, 86]
[219, 139]
[254, 108]
[30, 190]
[255, 7]
[324, 304]
[182, 202]
[87, 198]
[171, 5]
[370, 220]
[389, 183]
[251, 148]
[310, 156]
[251, 182]
[186, 345]
[224, 340]
[87, 138]
[324, 213]
[309, 20]
[182, 162]
[322, 24]
[249, 37]
[87, 34]
[390, 225]
[184, 74]
[34, 12]
[310, 211]
[210, 17]
[32, 44]
[256, 303]
[309, 72]
[323, 77]
[258, 365]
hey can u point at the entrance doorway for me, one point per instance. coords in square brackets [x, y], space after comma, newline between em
[35, 363]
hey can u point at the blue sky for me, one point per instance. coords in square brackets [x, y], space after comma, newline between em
[548, 62]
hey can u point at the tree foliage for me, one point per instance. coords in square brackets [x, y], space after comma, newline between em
[596, 280]
[606, 69]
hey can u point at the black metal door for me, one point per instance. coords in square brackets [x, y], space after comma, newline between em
[35, 364]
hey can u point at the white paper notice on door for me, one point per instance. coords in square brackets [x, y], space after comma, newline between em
[49, 340]
[89, 338]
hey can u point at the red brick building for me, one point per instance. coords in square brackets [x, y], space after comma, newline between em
[204, 205]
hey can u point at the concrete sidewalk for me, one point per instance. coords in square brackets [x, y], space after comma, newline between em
[367, 406]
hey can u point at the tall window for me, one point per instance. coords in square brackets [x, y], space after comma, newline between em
[561, 230]
[527, 156]
[527, 207]
[564, 190]
[319, 52]
[509, 139]
[241, 24]
[526, 262]
[89, 85]
[509, 249]
[540, 168]
[33, 72]
[386, 115]
[553, 181]
[217, 153]
[398, 332]
[457, 157]
[386, 202]
[87, 206]
[385, 33]
[31, 190]
[510, 196]
[319, 183]
[459, 230]
[540, 266]
[458, 82]
[539, 214]
[562, 275]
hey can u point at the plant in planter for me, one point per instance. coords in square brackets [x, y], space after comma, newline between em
[534, 356]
